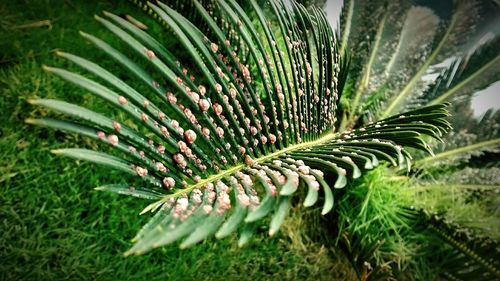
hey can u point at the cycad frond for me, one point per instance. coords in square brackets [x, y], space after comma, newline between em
[475, 139]
[471, 257]
[460, 26]
[395, 48]
[475, 70]
[224, 135]
[394, 44]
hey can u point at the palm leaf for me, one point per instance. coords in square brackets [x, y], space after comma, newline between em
[395, 47]
[475, 139]
[394, 44]
[225, 134]
[471, 257]
[459, 29]
[474, 71]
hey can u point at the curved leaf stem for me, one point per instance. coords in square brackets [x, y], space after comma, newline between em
[328, 137]
[458, 151]
[347, 29]
[363, 84]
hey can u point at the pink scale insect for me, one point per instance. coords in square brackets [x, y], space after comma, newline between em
[150, 54]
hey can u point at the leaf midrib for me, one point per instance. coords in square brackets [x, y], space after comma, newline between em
[458, 151]
[347, 29]
[213, 178]
[366, 77]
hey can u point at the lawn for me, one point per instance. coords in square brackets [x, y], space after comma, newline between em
[54, 225]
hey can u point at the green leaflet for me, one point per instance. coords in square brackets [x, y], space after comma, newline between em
[290, 187]
[160, 217]
[311, 197]
[166, 232]
[238, 215]
[279, 215]
[328, 204]
[232, 223]
[246, 233]
[96, 157]
[201, 232]
[130, 190]
[264, 208]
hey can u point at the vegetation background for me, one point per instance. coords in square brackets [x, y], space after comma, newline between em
[55, 226]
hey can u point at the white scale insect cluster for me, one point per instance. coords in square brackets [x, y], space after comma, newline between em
[228, 113]
[234, 129]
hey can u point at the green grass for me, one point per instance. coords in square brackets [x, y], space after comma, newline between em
[54, 225]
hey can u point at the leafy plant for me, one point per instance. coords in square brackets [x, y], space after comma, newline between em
[226, 111]
[391, 74]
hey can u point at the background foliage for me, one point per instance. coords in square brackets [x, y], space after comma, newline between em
[50, 213]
